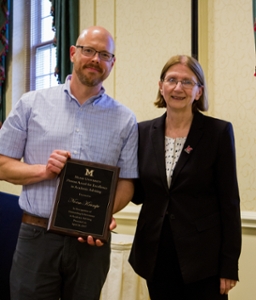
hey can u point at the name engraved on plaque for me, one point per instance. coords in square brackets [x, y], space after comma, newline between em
[84, 199]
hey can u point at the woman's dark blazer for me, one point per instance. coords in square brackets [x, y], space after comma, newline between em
[202, 201]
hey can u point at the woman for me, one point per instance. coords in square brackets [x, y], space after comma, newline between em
[188, 238]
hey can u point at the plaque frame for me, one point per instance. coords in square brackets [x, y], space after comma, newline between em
[84, 200]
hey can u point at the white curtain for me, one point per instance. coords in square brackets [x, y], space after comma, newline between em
[122, 282]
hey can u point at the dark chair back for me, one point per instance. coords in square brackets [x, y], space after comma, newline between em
[10, 220]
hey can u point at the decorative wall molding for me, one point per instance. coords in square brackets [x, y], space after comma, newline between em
[248, 219]
[131, 212]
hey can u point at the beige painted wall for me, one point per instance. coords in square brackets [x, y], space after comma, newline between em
[232, 84]
[147, 33]
[152, 31]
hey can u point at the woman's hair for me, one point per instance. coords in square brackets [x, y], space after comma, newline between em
[195, 67]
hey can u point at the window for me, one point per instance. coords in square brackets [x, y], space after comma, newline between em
[42, 51]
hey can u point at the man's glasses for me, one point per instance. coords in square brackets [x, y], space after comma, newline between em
[90, 52]
[186, 83]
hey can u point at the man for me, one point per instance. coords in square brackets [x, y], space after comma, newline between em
[46, 127]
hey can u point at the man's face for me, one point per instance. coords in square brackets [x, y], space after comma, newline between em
[92, 71]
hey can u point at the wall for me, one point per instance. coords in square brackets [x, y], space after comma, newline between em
[232, 84]
[228, 48]
[15, 81]
[147, 33]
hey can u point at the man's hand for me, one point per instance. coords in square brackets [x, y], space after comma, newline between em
[90, 240]
[56, 162]
[17, 172]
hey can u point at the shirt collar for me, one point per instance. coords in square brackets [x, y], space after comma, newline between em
[94, 99]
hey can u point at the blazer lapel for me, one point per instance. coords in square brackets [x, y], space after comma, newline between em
[158, 141]
[194, 135]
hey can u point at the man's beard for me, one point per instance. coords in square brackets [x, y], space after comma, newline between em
[88, 80]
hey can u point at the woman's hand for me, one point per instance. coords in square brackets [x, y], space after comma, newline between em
[226, 285]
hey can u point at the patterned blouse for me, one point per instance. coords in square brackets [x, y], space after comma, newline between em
[173, 149]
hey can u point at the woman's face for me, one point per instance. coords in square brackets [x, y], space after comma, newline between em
[179, 88]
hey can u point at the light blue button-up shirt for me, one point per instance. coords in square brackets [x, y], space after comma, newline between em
[101, 130]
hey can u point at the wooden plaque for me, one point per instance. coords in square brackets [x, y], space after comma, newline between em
[84, 200]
